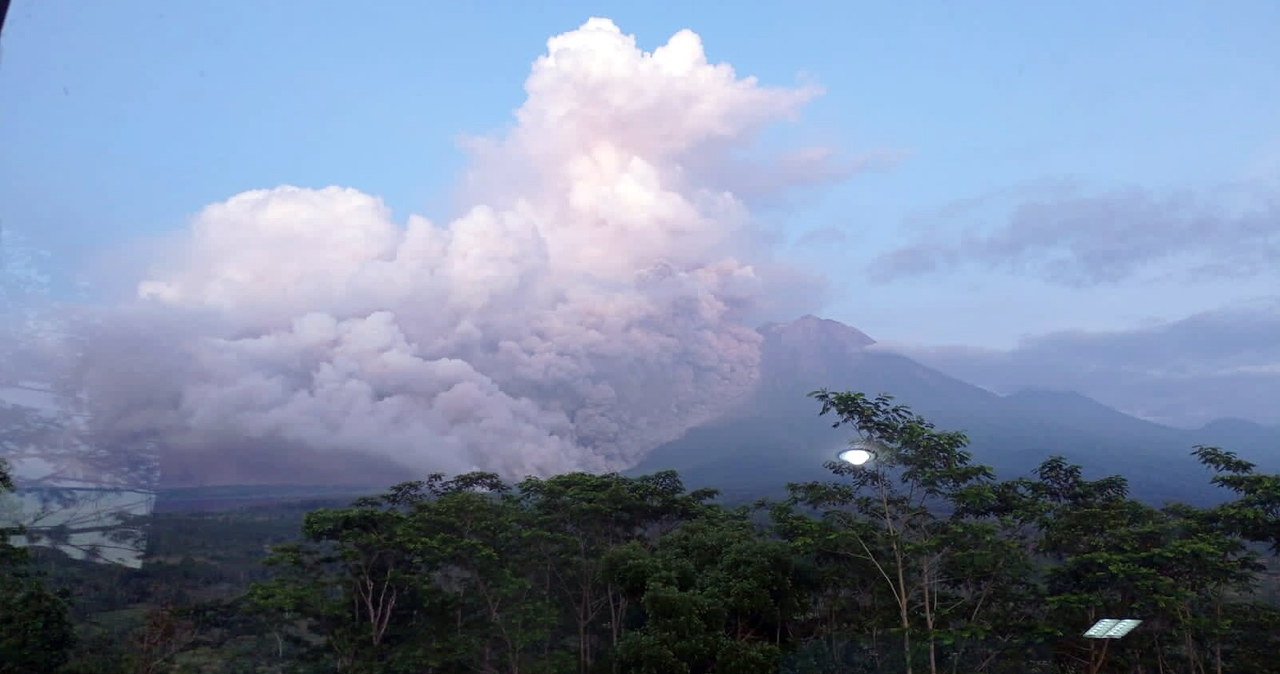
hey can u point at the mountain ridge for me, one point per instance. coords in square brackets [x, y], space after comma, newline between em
[774, 435]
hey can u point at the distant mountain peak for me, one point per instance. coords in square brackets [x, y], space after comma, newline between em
[813, 330]
[1232, 424]
[806, 350]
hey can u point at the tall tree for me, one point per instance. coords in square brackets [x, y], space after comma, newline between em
[714, 596]
[577, 519]
[894, 507]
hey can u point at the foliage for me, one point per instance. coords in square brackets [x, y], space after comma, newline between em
[36, 634]
[920, 560]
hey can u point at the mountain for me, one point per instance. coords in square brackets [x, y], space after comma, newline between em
[776, 436]
[1253, 441]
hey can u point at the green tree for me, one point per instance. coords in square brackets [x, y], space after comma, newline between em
[716, 595]
[433, 574]
[469, 574]
[576, 520]
[895, 509]
[1105, 555]
[36, 634]
[1246, 629]
[1255, 512]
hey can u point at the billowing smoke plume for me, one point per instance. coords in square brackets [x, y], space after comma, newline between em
[593, 303]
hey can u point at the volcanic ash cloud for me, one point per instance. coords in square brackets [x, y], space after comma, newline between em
[592, 304]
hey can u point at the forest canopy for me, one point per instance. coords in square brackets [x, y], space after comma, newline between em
[919, 560]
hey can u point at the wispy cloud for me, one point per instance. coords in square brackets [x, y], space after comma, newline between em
[1075, 239]
[1221, 363]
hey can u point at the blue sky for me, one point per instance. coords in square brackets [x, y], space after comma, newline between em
[1057, 166]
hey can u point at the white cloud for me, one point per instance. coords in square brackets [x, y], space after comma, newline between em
[593, 303]
[1214, 364]
[1079, 240]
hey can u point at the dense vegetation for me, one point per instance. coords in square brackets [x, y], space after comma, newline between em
[920, 561]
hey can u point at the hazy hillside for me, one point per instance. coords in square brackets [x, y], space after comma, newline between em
[776, 435]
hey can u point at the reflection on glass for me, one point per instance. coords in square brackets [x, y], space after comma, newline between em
[77, 492]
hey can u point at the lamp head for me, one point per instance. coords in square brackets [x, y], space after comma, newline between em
[859, 452]
[854, 455]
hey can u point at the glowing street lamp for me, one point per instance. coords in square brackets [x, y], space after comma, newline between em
[1112, 628]
[854, 456]
[858, 452]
